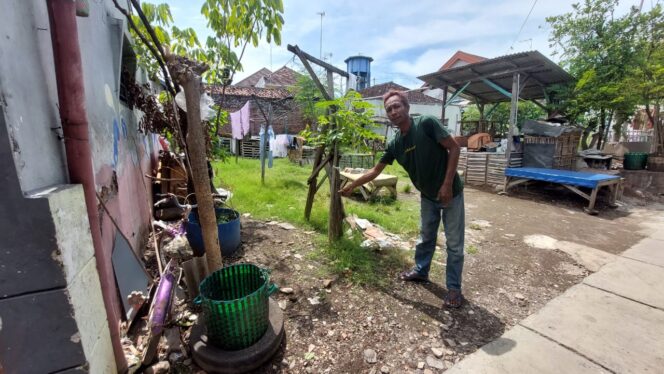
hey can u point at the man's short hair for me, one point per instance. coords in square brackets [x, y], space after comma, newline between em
[399, 94]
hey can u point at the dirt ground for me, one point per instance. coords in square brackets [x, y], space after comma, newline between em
[402, 328]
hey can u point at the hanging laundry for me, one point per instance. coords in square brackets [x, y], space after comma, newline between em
[280, 145]
[261, 144]
[271, 140]
[240, 121]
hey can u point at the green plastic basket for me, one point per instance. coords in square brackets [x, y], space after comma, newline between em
[235, 301]
[635, 160]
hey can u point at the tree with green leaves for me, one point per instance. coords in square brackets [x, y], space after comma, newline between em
[599, 49]
[158, 42]
[306, 95]
[501, 115]
[344, 125]
[617, 61]
[646, 76]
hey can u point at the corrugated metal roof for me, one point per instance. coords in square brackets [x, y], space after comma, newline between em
[535, 69]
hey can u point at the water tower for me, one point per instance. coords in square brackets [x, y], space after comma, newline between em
[361, 67]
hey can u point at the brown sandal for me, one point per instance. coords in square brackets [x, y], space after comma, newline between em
[453, 299]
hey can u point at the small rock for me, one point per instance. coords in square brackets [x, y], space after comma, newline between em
[311, 347]
[272, 223]
[436, 364]
[297, 267]
[246, 215]
[420, 365]
[314, 300]
[286, 290]
[519, 296]
[370, 356]
[384, 369]
[298, 256]
[162, 367]
[283, 304]
[449, 352]
[327, 283]
[286, 226]
[428, 371]
[438, 352]
[450, 342]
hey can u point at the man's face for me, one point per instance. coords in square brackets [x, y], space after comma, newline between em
[396, 110]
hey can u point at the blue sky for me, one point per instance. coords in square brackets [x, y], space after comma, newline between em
[405, 38]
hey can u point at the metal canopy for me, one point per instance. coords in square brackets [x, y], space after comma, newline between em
[490, 81]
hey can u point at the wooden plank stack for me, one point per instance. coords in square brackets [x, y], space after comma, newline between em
[482, 168]
[356, 160]
[250, 148]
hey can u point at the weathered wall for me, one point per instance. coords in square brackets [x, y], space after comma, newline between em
[452, 113]
[287, 117]
[28, 92]
[121, 154]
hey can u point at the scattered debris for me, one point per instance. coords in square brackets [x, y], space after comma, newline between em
[434, 363]
[286, 290]
[286, 226]
[370, 356]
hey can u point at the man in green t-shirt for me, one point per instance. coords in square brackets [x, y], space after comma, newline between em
[430, 156]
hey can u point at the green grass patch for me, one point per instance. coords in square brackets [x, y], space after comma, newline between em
[284, 194]
[471, 249]
[361, 266]
[283, 197]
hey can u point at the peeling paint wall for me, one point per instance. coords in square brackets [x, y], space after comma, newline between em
[122, 156]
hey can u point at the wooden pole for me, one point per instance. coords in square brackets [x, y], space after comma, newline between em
[188, 75]
[442, 114]
[513, 113]
[312, 183]
[335, 217]
[330, 84]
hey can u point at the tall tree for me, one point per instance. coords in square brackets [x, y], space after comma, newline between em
[232, 23]
[597, 48]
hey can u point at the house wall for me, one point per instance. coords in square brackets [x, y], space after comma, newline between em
[121, 157]
[287, 117]
[452, 113]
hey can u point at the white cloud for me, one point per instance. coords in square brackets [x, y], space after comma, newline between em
[406, 39]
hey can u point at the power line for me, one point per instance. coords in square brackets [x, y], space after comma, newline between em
[522, 25]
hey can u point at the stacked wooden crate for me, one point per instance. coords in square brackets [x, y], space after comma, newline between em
[564, 151]
[480, 168]
[476, 167]
[356, 160]
[250, 148]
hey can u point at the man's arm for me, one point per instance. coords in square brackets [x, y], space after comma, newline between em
[453, 149]
[367, 177]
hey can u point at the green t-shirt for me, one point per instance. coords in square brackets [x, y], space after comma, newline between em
[420, 153]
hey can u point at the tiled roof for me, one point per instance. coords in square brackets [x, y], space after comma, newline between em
[461, 56]
[283, 77]
[251, 80]
[381, 89]
[414, 97]
[264, 93]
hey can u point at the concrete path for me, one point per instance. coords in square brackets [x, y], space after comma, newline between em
[613, 322]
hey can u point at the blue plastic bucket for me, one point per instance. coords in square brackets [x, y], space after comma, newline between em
[229, 232]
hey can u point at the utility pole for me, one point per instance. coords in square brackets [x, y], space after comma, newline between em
[321, 14]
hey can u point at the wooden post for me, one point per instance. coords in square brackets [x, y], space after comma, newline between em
[330, 84]
[188, 75]
[335, 217]
[442, 114]
[513, 113]
[312, 183]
